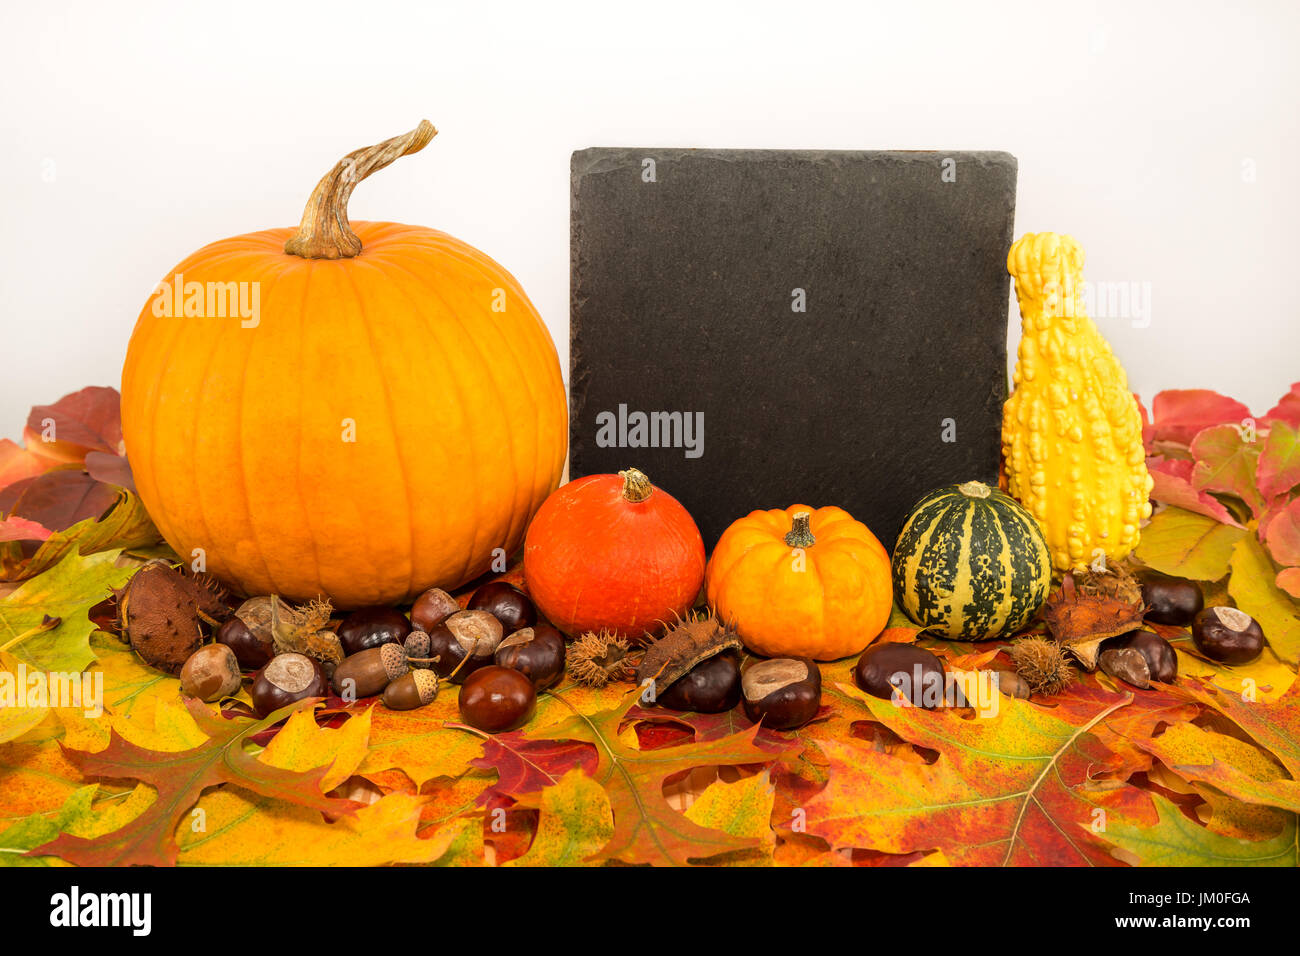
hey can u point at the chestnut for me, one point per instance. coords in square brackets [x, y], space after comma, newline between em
[287, 679]
[915, 673]
[413, 689]
[496, 699]
[1228, 635]
[1162, 662]
[210, 673]
[536, 652]
[509, 605]
[250, 650]
[1170, 600]
[372, 626]
[432, 608]
[1012, 684]
[710, 687]
[368, 672]
[1126, 663]
[783, 693]
[463, 643]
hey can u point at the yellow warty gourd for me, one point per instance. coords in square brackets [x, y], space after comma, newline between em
[1071, 430]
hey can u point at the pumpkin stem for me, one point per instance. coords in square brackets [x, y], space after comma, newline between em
[324, 232]
[636, 486]
[801, 535]
[974, 489]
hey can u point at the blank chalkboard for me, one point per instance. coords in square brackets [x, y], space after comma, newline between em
[759, 328]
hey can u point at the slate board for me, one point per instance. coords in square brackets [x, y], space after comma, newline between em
[682, 299]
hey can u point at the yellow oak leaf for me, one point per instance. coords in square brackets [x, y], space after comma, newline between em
[575, 821]
[301, 744]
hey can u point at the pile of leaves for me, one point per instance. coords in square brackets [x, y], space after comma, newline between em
[1203, 772]
[1228, 486]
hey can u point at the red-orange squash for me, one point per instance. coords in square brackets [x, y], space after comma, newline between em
[360, 411]
[613, 551]
[801, 582]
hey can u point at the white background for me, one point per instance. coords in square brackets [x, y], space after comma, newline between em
[133, 133]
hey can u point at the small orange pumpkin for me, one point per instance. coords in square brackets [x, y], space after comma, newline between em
[391, 416]
[801, 582]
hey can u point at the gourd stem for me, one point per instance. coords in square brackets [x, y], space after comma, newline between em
[800, 535]
[324, 232]
[974, 489]
[636, 486]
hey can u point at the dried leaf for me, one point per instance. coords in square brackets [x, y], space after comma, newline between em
[1188, 545]
[575, 822]
[179, 779]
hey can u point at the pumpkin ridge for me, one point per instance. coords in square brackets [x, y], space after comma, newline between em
[506, 340]
[302, 393]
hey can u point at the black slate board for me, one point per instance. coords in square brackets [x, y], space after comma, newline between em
[681, 300]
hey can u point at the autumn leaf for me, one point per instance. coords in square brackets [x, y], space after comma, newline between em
[1172, 484]
[1175, 840]
[1287, 409]
[1232, 766]
[17, 463]
[66, 592]
[526, 766]
[742, 808]
[1179, 414]
[1188, 545]
[1226, 462]
[1015, 789]
[646, 828]
[1254, 590]
[59, 499]
[1278, 470]
[302, 744]
[418, 742]
[236, 828]
[575, 822]
[179, 778]
[87, 420]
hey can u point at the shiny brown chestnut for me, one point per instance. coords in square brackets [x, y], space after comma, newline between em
[1228, 635]
[1170, 600]
[915, 673]
[496, 699]
[463, 643]
[210, 673]
[536, 652]
[432, 608]
[710, 687]
[1162, 662]
[509, 605]
[782, 693]
[372, 626]
[287, 679]
[250, 650]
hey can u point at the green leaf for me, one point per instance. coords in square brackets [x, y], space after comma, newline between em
[1279, 460]
[575, 822]
[1188, 545]
[67, 591]
[1177, 841]
[1254, 589]
[39, 829]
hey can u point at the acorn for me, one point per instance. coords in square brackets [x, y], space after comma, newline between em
[509, 605]
[1170, 600]
[210, 673]
[1011, 684]
[287, 679]
[416, 646]
[783, 693]
[372, 626]
[432, 608]
[463, 643]
[367, 673]
[536, 652]
[413, 689]
[1228, 635]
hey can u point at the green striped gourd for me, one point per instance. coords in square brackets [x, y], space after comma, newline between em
[971, 563]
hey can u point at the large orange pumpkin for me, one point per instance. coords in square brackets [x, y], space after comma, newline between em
[384, 413]
[801, 582]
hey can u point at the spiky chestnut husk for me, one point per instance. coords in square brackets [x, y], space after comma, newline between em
[685, 644]
[1043, 665]
[1117, 581]
[163, 612]
[303, 629]
[601, 657]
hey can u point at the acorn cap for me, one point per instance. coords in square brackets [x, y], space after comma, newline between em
[393, 658]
